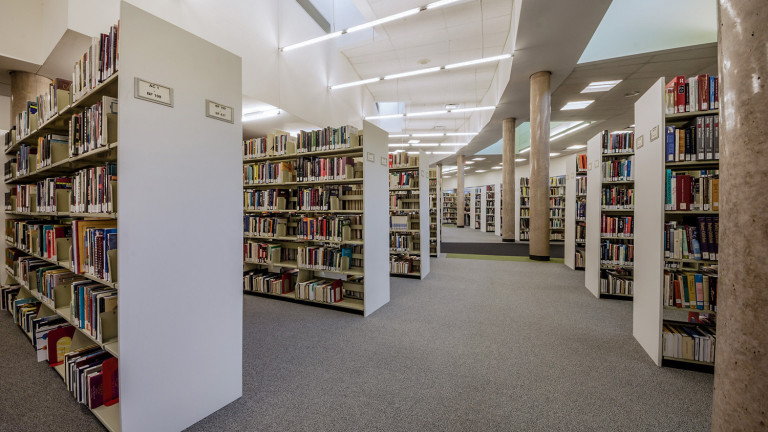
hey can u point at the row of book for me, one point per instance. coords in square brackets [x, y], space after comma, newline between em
[617, 197]
[267, 199]
[26, 121]
[581, 185]
[557, 201]
[400, 242]
[581, 209]
[616, 282]
[612, 253]
[56, 97]
[328, 139]
[94, 189]
[336, 259]
[696, 93]
[618, 142]
[47, 145]
[581, 232]
[689, 342]
[310, 168]
[403, 160]
[581, 163]
[97, 64]
[698, 140]
[262, 253]
[557, 213]
[556, 236]
[91, 374]
[403, 222]
[264, 226]
[279, 143]
[691, 289]
[617, 226]
[556, 224]
[270, 283]
[24, 159]
[268, 172]
[403, 201]
[617, 169]
[692, 242]
[692, 190]
[404, 180]
[557, 181]
[93, 128]
[329, 228]
[404, 264]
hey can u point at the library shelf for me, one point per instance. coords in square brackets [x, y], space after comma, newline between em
[306, 183]
[410, 185]
[346, 305]
[358, 152]
[435, 210]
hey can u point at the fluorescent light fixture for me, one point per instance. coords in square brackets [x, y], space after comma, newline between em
[478, 158]
[621, 132]
[478, 61]
[258, 115]
[554, 154]
[482, 108]
[412, 73]
[574, 105]
[398, 145]
[313, 41]
[525, 150]
[519, 160]
[600, 86]
[461, 134]
[468, 162]
[440, 3]
[385, 116]
[422, 71]
[384, 20]
[399, 136]
[570, 131]
[427, 135]
[426, 113]
[414, 141]
[425, 145]
[496, 167]
[576, 147]
[481, 171]
[412, 152]
[443, 152]
[450, 107]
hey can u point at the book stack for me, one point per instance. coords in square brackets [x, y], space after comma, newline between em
[449, 208]
[435, 186]
[408, 197]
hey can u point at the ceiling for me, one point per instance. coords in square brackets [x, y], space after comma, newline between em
[464, 31]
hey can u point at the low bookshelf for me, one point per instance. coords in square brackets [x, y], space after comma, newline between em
[311, 205]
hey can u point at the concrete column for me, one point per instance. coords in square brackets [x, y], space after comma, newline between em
[539, 221]
[460, 191]
[508, 180]
[25, 86]
[740, 400]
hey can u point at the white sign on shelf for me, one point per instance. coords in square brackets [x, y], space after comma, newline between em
[655, 133]
[152, 92]
[218, 111]
[371, 157]
[383, 161]
[640, 142]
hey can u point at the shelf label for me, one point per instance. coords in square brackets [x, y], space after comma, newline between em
[655, 133]
[640, 142]
[218, 111]
[152, 92]
[371, 157]
[383, 161]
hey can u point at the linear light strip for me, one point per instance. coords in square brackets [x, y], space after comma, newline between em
[417, 71]
[369, 24]
[428, 113]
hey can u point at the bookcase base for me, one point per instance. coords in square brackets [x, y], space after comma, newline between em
[306, 302]
[539, 257]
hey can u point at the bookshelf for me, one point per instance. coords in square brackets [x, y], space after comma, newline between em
[525, 208]
[492, 210]
[557, 208]
[435, 210]
[469, 203]
[309, 219]
[610, 215]
[449, 207]
[410, 226]
[676, 260]
[155, 141]
[576, 211]
[477, 208]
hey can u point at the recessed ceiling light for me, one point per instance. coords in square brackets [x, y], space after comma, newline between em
[570, 131]
[451, 106]
[425, 144]
[468, 162]
[600, 86]
[412, 152]
[461, 134]
[443, 152]
[258, 115]
[519, 160]
[576, 147]
[496, 167]
[399, 136]
[554, 154]
[525, 150]
[414, 141]
[426, 135]
[574, 105]
[478, 158]
[398, 145]
[481, 171]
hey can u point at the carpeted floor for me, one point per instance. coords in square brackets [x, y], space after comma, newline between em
[478, 345]
[503, 249]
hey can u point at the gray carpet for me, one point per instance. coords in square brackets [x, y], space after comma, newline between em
[478, 345]
[502, 249]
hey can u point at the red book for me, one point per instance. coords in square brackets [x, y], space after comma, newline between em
[59, 341]
[95, 393]
[703, 95]
[679, 193]
[678, 294]
[680, 84]
[110, 384]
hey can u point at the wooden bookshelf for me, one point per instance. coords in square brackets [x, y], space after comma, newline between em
[330, 212]
[655, 309]
[154, 140]
[575, 211]
[610, 206]
[435, 211]
[410, 248]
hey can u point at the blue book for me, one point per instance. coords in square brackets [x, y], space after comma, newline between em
[711, 92]
[695, 244]
[669, 151]
[81, 298]
[668, 198]
[698, 279]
